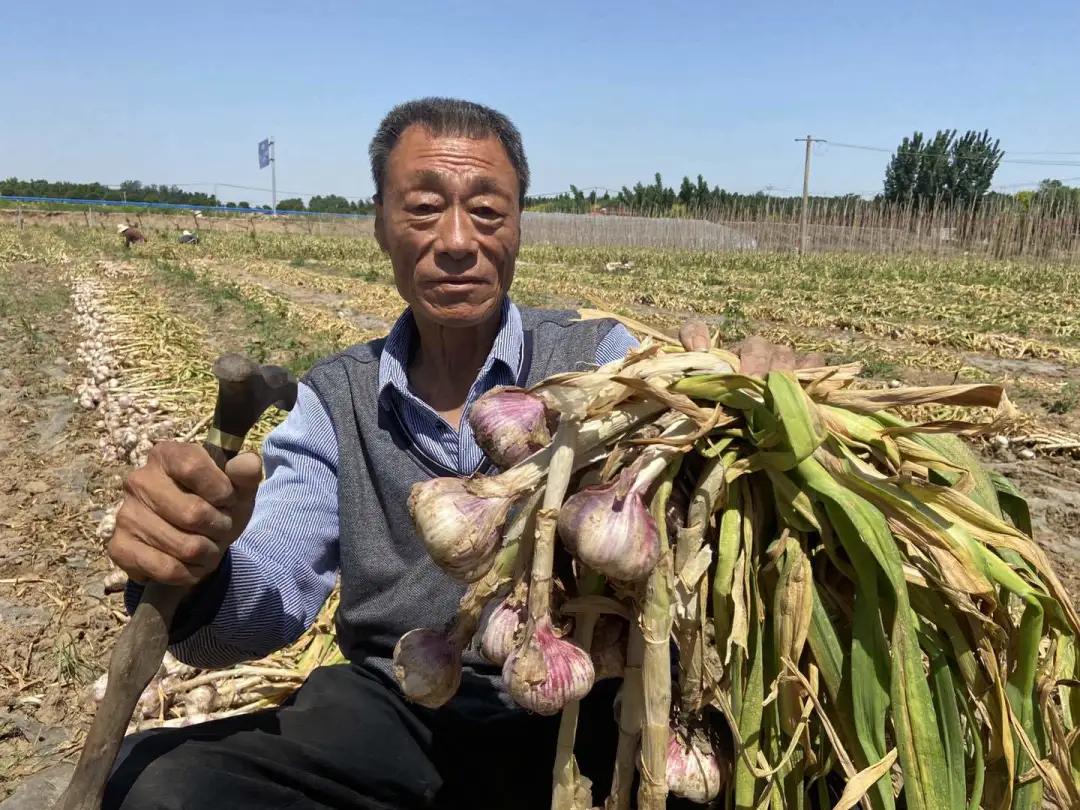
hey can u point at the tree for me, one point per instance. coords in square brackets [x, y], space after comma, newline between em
[330, 204]
[945, 169]
[291, 204]
[686, 192]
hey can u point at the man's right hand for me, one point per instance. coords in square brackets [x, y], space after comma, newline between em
[758, 357]
[180, 513]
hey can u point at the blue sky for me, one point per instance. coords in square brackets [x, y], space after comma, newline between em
[604, 93]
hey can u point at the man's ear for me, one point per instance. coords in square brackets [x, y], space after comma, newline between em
[380, 224]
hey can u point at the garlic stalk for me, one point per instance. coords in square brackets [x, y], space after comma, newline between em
[592, 434]
[572, 790]
[631, 705]
[546, 672]
[692, 560]
[655, 618]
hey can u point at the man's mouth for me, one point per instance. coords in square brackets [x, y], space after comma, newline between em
[458, 281]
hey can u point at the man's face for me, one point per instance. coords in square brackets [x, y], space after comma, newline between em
[450, 221]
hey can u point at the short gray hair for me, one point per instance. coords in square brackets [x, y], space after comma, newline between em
[449, 117]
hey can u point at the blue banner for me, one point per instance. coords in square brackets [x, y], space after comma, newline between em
[264, 153]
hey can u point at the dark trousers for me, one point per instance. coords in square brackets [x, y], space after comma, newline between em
[347, 740]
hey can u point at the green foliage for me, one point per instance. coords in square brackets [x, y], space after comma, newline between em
[693, 199]
[1067, 399]
[130, 190]
[335, 204]
[291, 204]
[942, 170]
[1054, 198]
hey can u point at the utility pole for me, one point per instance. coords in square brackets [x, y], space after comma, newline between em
[806, 189]
[273, 176]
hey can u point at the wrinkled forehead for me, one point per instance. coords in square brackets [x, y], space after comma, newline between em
[451, 163]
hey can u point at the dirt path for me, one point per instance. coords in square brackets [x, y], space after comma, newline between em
[56, 622]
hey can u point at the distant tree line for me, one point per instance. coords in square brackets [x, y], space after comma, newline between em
[134, 191]
[693, 198]
[948, 171]
[129, 190]
[328, 204]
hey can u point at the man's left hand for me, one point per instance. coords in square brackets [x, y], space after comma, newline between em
[694, 336]
[758, 355]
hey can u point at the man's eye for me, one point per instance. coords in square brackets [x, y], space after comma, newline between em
[486, 212]
[423, 209]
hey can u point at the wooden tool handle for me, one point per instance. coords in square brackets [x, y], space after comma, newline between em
[245, 391]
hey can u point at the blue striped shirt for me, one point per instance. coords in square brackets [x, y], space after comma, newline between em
[275, 578]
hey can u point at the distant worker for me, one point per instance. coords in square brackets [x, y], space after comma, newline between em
[130, 234]
[189, 238]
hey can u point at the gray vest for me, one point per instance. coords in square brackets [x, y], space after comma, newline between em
[389, 584]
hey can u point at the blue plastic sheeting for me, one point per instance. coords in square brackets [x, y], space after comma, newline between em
[180, 206]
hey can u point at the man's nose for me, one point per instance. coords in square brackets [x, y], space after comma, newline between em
[457, 236]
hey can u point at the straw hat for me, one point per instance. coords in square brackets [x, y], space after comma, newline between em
[122, 227]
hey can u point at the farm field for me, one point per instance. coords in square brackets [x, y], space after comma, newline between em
[75, 305]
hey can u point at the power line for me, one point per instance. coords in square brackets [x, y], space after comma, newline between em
[959, 156]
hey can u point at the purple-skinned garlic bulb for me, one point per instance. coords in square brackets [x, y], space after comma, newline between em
[608, 527]
[547, 672]
[427, 667]
[502, 630]
[510, 425]
[693, 769]
[460, 530]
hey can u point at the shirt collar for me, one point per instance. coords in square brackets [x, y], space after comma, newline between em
[507, 349]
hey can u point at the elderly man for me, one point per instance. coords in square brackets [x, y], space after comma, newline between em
[369, 422]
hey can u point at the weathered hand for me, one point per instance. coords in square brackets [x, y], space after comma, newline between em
[180, 513]
[694, 335]
[758, 357]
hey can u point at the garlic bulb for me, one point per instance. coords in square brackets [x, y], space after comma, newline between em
[510, 424]
[502, 629]
[96, 692]
[609, 528]
[460, 530]
[199, 700]
[547, 672]
[608, 648]
[693, 770]
[427, 667]
[153, 701]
